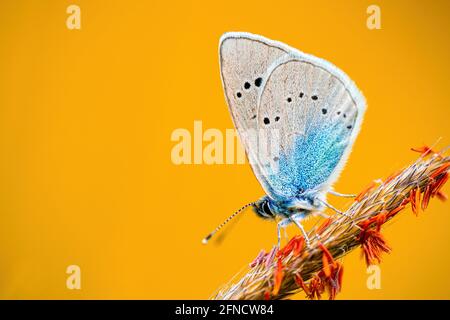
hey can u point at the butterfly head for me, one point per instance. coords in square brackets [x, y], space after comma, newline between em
[264, 208]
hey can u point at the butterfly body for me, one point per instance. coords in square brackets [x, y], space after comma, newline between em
[310, 110]
[267, 208]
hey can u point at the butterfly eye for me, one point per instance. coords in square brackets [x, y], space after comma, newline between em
[314, 97]
[239, 94]
[247, 86]
[258, 82]
[266, 209]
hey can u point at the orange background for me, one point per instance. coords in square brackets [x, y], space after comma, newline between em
[86, 116]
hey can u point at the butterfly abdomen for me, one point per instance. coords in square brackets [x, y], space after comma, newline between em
[268, 208]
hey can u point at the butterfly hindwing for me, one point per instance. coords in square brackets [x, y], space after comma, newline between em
[244, 60]
[316, 111]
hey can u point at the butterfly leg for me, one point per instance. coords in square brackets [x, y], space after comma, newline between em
[282, 224]
[334, 209]
[343, 195]
[296, 218]
[320, 214]
[341, 213]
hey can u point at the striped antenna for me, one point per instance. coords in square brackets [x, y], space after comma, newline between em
[220, 226]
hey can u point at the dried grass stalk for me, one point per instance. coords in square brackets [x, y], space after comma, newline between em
[315, 270]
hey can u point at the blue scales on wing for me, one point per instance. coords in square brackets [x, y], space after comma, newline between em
[309, 162]
[314, 112]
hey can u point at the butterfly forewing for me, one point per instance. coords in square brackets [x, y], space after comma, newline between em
[244, 60]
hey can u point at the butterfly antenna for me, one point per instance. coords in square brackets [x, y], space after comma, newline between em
[220, 226]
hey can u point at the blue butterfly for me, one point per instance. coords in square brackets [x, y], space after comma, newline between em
[297, 117]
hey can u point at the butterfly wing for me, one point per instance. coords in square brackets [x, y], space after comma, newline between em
[244, 60]
[317, 111]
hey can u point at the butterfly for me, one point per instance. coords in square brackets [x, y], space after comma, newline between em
[297, 117]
